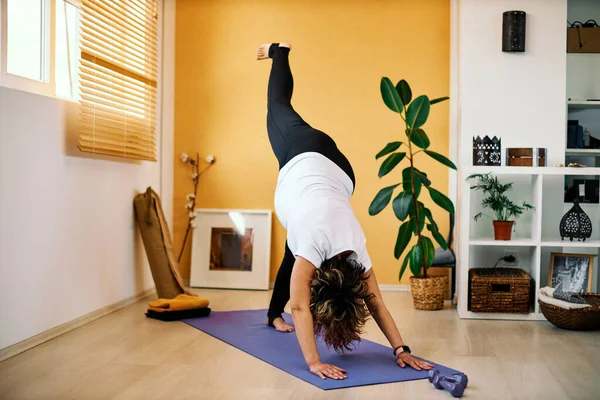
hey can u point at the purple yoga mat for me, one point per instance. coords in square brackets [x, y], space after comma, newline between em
[369, 364]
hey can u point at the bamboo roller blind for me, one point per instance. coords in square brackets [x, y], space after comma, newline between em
[117, 75]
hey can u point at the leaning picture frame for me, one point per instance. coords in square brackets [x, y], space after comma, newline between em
[573, 272]
[231, 249]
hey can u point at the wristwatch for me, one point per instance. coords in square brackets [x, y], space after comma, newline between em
[402, 349]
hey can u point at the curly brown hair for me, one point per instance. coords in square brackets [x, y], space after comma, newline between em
[338, 297]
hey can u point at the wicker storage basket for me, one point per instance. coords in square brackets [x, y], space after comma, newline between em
[501, 290]
[428, 293]
[579, 319]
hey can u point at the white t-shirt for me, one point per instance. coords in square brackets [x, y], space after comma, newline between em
[312, 201]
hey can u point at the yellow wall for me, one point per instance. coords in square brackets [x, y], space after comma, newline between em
[341, 49]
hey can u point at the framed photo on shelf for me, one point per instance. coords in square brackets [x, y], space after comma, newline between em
[572, 271]
[231, 249]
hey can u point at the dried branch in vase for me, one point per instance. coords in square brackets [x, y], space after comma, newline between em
[194, 164]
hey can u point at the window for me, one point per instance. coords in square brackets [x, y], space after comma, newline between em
[26, 54]
[40, 46]
[66, 49]
[27, 35]
[103, 54]
[119, 57]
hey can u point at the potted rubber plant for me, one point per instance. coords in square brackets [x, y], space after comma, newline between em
[427, 291]
[495, 199]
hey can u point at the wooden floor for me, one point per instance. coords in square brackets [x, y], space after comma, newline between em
[126, 356]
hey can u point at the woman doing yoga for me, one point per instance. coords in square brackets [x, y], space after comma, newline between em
[326, 271]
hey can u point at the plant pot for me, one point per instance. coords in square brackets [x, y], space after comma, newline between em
[428, 293]
[503, 230]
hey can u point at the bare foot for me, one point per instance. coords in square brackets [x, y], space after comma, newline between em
[281, 326]
[262, 53]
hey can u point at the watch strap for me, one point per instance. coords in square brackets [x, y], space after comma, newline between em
[405, 349]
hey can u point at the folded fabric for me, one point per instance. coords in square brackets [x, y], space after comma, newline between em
[179, 303]
[178, 315]
[571, 297]
[548, 291]
[545, 298]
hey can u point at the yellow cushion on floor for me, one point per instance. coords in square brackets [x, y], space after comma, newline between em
[179, 303]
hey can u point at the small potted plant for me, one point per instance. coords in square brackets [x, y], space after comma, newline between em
[496, 200]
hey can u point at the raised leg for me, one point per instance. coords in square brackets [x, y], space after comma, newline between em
[284, 124]
[289, 134]
[281, 292]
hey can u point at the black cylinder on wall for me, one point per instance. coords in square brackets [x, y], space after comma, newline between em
[513, 31]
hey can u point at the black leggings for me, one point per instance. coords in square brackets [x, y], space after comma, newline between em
[290, 136]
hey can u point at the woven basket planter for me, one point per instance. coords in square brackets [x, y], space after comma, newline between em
[579, 319]
[428, 293]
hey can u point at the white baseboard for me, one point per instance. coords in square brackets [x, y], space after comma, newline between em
[394, 288]
[50, 334]
[383, 288]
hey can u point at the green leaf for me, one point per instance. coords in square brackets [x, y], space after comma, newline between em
[382, 199]
[419, 137]
[440, 158]
[404, 236]
[418, 185]
[428, 251]
[405, 93]
[401, 205]
[404, 264]
[416, 259]
[390, 147]
[417, 112]
[437, 236]
[390, 163]
[421, 207]
[407, 179]
[441, 200]
[390, 96]
[439, 99]
[422, 177]
[429, 216]
[413, 216]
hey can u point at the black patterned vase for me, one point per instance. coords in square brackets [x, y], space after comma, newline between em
[575, 224]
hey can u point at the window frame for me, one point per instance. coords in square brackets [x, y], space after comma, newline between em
[77, 4]
[45, 88]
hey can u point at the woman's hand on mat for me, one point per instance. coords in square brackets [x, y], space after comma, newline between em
[405, 359]
[325, 371]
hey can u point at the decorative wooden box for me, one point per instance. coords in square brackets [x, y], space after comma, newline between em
[500, 290]
[526, 157]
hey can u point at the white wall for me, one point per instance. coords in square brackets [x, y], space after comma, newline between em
[68, 241]
[518, 96]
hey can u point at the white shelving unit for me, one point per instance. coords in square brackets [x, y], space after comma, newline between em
[583, 104]
[583, 152]
[535, 235]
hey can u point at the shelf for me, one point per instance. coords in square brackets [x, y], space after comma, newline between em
[530, 170]
[556, 242]
[503, 243]
[532, 316]
[551, 242]
[582, 152]
[583, 104]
